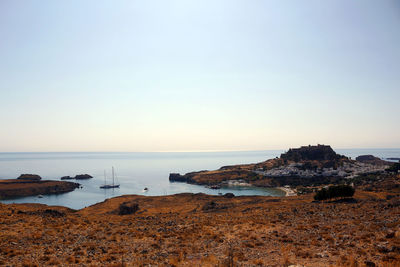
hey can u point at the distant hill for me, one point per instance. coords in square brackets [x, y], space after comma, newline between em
[370, 159]
[318, 152]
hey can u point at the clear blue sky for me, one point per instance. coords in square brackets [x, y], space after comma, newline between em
[198, 75]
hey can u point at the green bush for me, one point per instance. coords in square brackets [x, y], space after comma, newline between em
[394, 168]
[335, 191]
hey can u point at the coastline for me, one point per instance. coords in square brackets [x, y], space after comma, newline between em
[288, 191]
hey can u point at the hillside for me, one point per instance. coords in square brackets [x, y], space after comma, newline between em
[202, 230]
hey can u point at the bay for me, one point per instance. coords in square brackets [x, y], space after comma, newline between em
[138, 170]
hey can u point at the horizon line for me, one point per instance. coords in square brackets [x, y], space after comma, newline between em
[188, 151]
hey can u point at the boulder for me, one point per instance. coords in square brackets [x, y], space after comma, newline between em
[229, 195]
[127, 208]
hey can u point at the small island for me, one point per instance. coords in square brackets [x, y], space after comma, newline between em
[33, 185]
[77, 177]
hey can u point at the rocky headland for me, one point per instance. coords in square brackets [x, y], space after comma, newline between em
[307, 166]
[13, 188]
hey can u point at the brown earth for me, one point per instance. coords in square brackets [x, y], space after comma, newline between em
[20, 188]
[202, 230]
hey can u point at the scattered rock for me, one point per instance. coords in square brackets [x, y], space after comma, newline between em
[382, 249]
[229, 195]
[369, 264]
[390, 234]
[53, 213]
[212, 206]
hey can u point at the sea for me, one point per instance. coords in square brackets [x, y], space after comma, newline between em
[136, 171]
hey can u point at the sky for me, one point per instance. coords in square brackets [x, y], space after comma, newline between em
[198, 75]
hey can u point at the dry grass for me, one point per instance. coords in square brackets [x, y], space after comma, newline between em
[177, 231]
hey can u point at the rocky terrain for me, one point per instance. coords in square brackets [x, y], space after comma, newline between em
[202, 230]
[12, 188]
[305, 166]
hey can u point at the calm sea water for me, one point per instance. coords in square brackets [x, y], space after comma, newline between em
[135, 171]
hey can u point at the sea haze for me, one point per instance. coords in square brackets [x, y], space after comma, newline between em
[135, 171]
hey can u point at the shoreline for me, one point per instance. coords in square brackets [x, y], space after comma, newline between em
[288, 191]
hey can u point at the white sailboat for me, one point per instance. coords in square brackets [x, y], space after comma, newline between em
[113, 185]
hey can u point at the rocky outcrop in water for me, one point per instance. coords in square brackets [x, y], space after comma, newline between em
[83, 176]
[33, 177]
[67, 178]
[77, 177]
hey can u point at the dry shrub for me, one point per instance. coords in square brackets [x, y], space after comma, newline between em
[285, 256]
[29, 264]
[117, 265]
[347, 261]
[53, 261]
[258, 262]
[70, 259]
[210, 260]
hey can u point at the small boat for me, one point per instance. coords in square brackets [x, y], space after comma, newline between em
[40, 196]
[107, 186]
[145, 189]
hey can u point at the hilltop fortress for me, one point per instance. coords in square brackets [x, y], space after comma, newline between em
[304, 166]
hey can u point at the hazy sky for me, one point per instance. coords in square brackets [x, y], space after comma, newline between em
[198, 75]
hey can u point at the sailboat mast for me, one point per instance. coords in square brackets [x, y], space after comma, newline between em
[104, 176]
[113, 174]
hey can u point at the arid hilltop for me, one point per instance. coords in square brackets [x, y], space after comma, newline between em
[202, 230]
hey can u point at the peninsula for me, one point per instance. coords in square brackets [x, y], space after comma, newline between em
[33, 185]
[307, 166]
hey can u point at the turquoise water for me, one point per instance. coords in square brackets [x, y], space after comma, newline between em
[135, 171]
